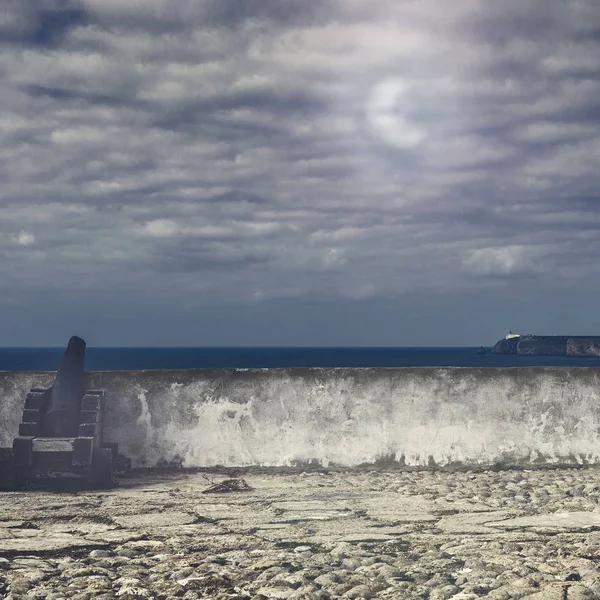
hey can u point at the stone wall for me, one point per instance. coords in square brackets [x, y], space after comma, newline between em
[278, 417]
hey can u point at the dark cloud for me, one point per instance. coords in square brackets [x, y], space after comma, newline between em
[162, 17]
[264, 153]
[207, 115]
[54, 24]
[238, 196]
[500, 25]
[66, 95]
[42, 24]
[201, 260]
[232, 13]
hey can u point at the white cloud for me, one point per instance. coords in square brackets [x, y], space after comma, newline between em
[549, 132]
[25, 238]
[507, 260]
[161, 228]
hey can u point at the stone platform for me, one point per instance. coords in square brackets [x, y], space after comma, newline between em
[320, 534]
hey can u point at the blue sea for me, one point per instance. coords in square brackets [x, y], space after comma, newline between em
[132, 359]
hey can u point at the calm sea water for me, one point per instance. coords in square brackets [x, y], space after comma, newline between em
[125, 359]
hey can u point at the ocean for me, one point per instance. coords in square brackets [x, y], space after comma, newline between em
[136, 359]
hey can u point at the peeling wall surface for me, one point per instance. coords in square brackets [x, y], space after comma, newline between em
[346, 417]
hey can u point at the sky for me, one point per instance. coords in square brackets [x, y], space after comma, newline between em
[293, 173]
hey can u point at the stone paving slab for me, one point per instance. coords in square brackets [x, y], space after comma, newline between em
[473, 523]
[42, 542]
[561, 521]
[151, 520]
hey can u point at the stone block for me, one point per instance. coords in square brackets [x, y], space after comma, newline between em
[23, 452]
[90, 416]
[89, 429]
[83, 451]
[53, 444]
[113, 447]
[36, 399]
[31, 415]
[92, 402]
[29, 429]
[7, 469]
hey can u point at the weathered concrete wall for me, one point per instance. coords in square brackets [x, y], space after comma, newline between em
[342, 416]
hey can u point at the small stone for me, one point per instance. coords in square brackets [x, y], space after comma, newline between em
[82, 596]
[499, 594]
[276, 592]
[20, 586]
[550, 592]
[126, 582]
[351, 563]
[580, 592]
[340, 589]
[360, 591]
[133, 593]
[327, 579]
[308, 593]
[271, 572]
[444, 592]
[32, 563]
[228, 486]
[342, 550]
[73, 573]
[389, 572]
[266, 563]
[100, 554]
[98, 582]
[295, 580]
[192, 583]
[181, 573]
[145, 544]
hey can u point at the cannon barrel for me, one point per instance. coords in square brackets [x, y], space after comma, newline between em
[63, 404]
[61, 438]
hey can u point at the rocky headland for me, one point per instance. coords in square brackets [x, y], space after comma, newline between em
[549, 345]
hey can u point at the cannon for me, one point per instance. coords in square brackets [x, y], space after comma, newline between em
[60, 437]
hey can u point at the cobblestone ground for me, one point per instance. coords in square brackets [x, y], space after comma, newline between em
[314, 535]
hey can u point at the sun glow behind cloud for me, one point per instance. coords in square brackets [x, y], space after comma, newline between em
[386, 116]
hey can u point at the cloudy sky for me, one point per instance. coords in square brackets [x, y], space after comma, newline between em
[293, 172]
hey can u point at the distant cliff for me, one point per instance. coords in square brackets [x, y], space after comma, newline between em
[506, 346]
[583, 347]
[550, 345]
